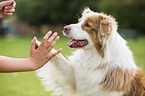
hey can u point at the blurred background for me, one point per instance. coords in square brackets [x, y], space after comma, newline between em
[36, 17]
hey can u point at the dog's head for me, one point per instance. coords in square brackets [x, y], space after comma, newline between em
[92, 30]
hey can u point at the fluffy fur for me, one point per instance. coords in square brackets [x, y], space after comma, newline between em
[103, 67]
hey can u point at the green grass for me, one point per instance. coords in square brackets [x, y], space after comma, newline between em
[138, 49]
[26, 83]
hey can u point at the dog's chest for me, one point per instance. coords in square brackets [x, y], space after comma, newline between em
[88, 83]
[87, 80]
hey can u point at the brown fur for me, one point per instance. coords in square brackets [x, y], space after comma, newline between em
[104, 31]
[117, 80]
[137, 85]
[93, 31]
[98, 27]
[129, 82]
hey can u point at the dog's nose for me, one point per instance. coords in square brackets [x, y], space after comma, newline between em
[67, 29]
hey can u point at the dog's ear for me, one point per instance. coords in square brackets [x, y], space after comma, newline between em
[104, 25]
[86, 10]
[104, 30]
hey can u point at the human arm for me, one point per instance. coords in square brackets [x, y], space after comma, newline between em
[7, 8]
[38, 57]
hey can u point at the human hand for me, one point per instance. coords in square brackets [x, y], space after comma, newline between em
[41, 55]
[7, 8]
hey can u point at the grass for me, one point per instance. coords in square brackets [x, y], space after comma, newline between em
[138, 49]
[26, 83]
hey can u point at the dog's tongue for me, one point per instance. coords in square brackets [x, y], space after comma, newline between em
[77, 43]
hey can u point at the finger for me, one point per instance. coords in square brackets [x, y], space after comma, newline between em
[5, 3]
[52, 37]
[55, 53]
[8, 14]
[53, 43]
[13, 4]
[50, 40]
[10, 7]
[9, 11]
[45, 38]
[33, 42]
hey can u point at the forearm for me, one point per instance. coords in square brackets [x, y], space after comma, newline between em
[38, 57]
[8, 64]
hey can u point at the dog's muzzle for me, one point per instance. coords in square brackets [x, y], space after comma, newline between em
[67, 30]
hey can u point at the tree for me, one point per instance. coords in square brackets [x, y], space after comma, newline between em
[39, 12]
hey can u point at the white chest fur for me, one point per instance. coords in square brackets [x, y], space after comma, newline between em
[89, 72]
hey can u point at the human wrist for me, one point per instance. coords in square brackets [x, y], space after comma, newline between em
[33, 66]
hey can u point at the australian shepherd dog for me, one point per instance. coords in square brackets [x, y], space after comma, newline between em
[102, 64]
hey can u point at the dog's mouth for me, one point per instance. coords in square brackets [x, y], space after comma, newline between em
[77, 43]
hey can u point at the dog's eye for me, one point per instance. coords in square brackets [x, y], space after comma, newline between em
[87, 25]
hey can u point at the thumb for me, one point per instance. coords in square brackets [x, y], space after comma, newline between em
[5, 3]
[33, 42]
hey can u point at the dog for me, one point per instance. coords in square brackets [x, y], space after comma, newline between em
[102, 64]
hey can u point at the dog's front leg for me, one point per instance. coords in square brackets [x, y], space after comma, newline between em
[57, 75]
[59, 60]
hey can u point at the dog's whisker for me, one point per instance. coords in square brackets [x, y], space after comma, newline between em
[77, 16]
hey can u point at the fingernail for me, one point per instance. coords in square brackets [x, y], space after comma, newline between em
[49, 32]
[55, 33]
[58, 37]
[6, 7]
[60, 49]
